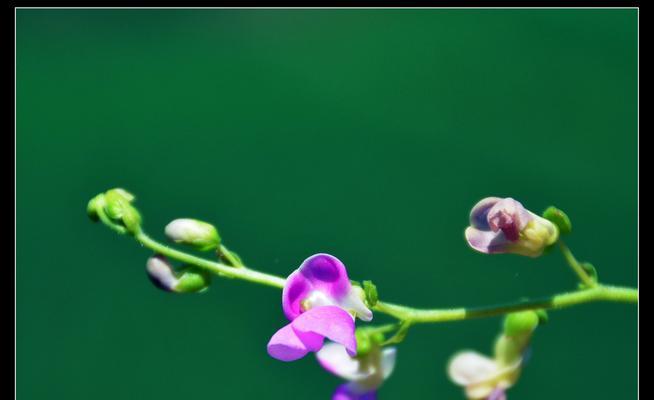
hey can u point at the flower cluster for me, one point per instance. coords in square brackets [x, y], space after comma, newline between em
[322, 305]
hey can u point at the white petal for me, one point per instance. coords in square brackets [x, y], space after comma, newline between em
[317, 298]
[353, 302]
[479, 391]
[161, 272]
[184, 229]
[334, 358]
[470, 367]
[388, 357]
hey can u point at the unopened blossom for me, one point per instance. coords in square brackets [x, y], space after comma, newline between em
[320, 302]
[364, 373]
[201, 235]
[163, 276]
[504, 226]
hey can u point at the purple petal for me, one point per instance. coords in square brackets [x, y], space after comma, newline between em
[498, 394]
[509, 216]
[349, 391]
[320, 272]
[331, 322]
[289, 345]
[488, 242]
[295, 290]
[479, 213]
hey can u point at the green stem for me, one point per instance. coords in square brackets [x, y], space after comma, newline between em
[243, 273]
[576, 267]
[408, 315]
[401, 333]
[563, 300]
[229, 257]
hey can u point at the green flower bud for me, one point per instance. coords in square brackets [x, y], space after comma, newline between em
[591, 271]
[364, 344]
[520, 323]
[370, 291]
[114, 208]
[94, 204]
[559, 218]
[201, 235]
[543, 317]
[116, 202]
[193, 280]
[377, 337]
[188, 279]
[367, 340]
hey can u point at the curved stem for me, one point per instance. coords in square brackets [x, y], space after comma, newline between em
[229, 257]
[576, 267]
[227, 271]
[406, 314]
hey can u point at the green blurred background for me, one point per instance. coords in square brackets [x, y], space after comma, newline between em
[368, 134]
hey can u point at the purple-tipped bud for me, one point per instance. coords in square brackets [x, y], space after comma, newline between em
[187, 280]
[161, 273]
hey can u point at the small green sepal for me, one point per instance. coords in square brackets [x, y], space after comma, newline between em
[558, 218]
[372, 297]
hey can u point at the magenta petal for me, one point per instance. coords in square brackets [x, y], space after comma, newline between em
[289, 345]
[488, 242]
[349, 392]
[321, 272]
[295, 290]
[332, 322]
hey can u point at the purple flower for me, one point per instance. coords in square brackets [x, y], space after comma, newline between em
[365, 373]
[321, 303]
[505, 226]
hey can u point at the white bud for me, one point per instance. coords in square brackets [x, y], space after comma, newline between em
[198, 234]
[161, 273]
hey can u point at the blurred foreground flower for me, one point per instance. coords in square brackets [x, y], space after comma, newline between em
[320, 302]
[505, 226]
[366, 372]
[489, 378]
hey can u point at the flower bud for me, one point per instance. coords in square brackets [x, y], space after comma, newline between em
[520, 323]
[187, 280]
[93, 206]
[558, 218]
[193, 280]
[367, 339]
[370, 291]
[201, 235]
[115, 209]
[505, 226]
[590, 271]
[364, 344]
[161, 273]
